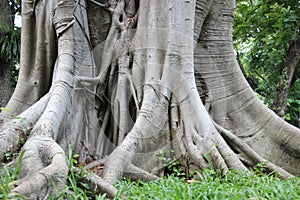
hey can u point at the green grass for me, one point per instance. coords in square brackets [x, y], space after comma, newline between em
[8, 175]
[211, 185]
[236, 185]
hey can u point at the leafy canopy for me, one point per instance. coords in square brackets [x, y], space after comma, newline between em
[263, 33]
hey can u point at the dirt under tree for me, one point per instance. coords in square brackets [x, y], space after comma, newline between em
[122, 81]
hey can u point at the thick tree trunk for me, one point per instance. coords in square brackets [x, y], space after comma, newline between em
[6, 25]
[233, 104]
[291, 63]
[135, 94]
[5, 84]
[37, 57]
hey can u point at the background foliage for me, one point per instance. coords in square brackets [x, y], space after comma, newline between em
[263, 33]
[10, 43]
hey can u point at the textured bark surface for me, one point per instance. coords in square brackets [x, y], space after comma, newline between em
[6, 24]
[38, 54]
[5, 85]
[131, 79]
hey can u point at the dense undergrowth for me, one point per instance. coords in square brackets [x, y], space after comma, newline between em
[209, 184]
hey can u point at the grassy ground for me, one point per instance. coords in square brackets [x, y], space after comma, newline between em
[210, 185]
[236, 185]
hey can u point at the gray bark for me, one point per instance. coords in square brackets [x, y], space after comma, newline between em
[291, 63]
[38, 55]
[6, 25]
[138, 93]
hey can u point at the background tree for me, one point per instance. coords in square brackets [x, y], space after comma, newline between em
[121, 81]
[10, 48]
[6, 24]
[268, 48]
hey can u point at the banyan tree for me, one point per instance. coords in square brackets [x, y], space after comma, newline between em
[121, 81]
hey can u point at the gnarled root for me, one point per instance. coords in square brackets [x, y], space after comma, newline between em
[15, 131]
[44, 169]
[98, 184]
[148, 134]
[250, 153]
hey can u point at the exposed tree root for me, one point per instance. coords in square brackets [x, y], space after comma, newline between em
[143, 137]
[251, 154]
[48, 176]
[15, 132]
[96, 163]
[98, 185]
[136, 173]
[201, 136]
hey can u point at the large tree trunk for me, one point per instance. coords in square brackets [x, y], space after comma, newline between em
[291, 63]
[38, 55]
[137, 93]
[5, 85]
[6, 25]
